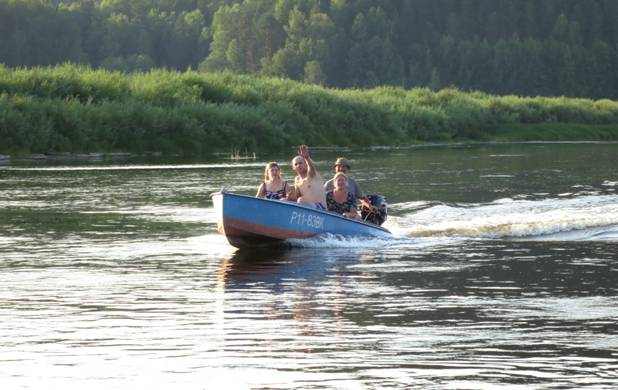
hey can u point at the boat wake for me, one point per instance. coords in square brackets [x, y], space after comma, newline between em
[337, 241]
[562, 219]
[363, 243]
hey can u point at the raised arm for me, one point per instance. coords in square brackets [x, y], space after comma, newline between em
[303, 151]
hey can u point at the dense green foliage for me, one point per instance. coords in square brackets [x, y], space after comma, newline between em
[555, 132]
[80, 109]
[524, 47]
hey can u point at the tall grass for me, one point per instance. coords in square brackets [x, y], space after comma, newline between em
[80, 109]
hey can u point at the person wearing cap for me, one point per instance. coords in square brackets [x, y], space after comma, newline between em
[343, 165]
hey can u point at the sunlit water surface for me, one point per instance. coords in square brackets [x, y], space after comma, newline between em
[503, 274]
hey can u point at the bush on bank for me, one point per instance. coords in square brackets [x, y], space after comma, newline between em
[79, 109]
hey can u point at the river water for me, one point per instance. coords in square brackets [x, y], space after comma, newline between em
[503, 274]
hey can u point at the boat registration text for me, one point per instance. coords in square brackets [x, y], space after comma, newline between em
[307, 219]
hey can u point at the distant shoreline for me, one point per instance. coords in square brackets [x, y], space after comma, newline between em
[82, 113]
[506, 137]
[119, 157]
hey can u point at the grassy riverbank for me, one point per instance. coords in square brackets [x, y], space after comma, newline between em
[78, 109]
[556, 132]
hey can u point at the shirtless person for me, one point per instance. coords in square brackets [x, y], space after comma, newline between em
[308, 184]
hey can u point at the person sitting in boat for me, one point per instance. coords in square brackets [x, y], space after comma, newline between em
[273, 186]
[343, 165]
[340, 200]
[308, 184]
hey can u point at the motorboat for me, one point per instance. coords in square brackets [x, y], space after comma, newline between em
[248, 221]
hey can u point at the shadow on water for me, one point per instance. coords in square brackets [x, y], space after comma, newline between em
[278, 267]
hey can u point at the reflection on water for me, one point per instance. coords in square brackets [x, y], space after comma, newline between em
[503, 274]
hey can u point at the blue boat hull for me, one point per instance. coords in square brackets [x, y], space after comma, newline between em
[247, 221]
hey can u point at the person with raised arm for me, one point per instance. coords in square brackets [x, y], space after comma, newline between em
[308, 184]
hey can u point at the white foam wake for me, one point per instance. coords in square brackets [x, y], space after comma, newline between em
[594, 217]
[336, 241]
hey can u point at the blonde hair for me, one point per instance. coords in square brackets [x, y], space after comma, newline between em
[268, 166]
[338, 174]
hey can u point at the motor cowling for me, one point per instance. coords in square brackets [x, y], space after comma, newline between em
[374, 209]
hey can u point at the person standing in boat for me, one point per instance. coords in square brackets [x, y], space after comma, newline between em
[308, 184]
[343, 165]
[340, 200]
[273, 186]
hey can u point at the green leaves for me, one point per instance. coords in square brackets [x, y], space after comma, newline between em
[78, 109]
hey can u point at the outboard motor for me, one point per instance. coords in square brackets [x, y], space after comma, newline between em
[373, 209]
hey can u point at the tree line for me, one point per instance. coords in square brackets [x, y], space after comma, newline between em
[525, 47]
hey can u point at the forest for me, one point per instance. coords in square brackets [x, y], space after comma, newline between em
[522, 47]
